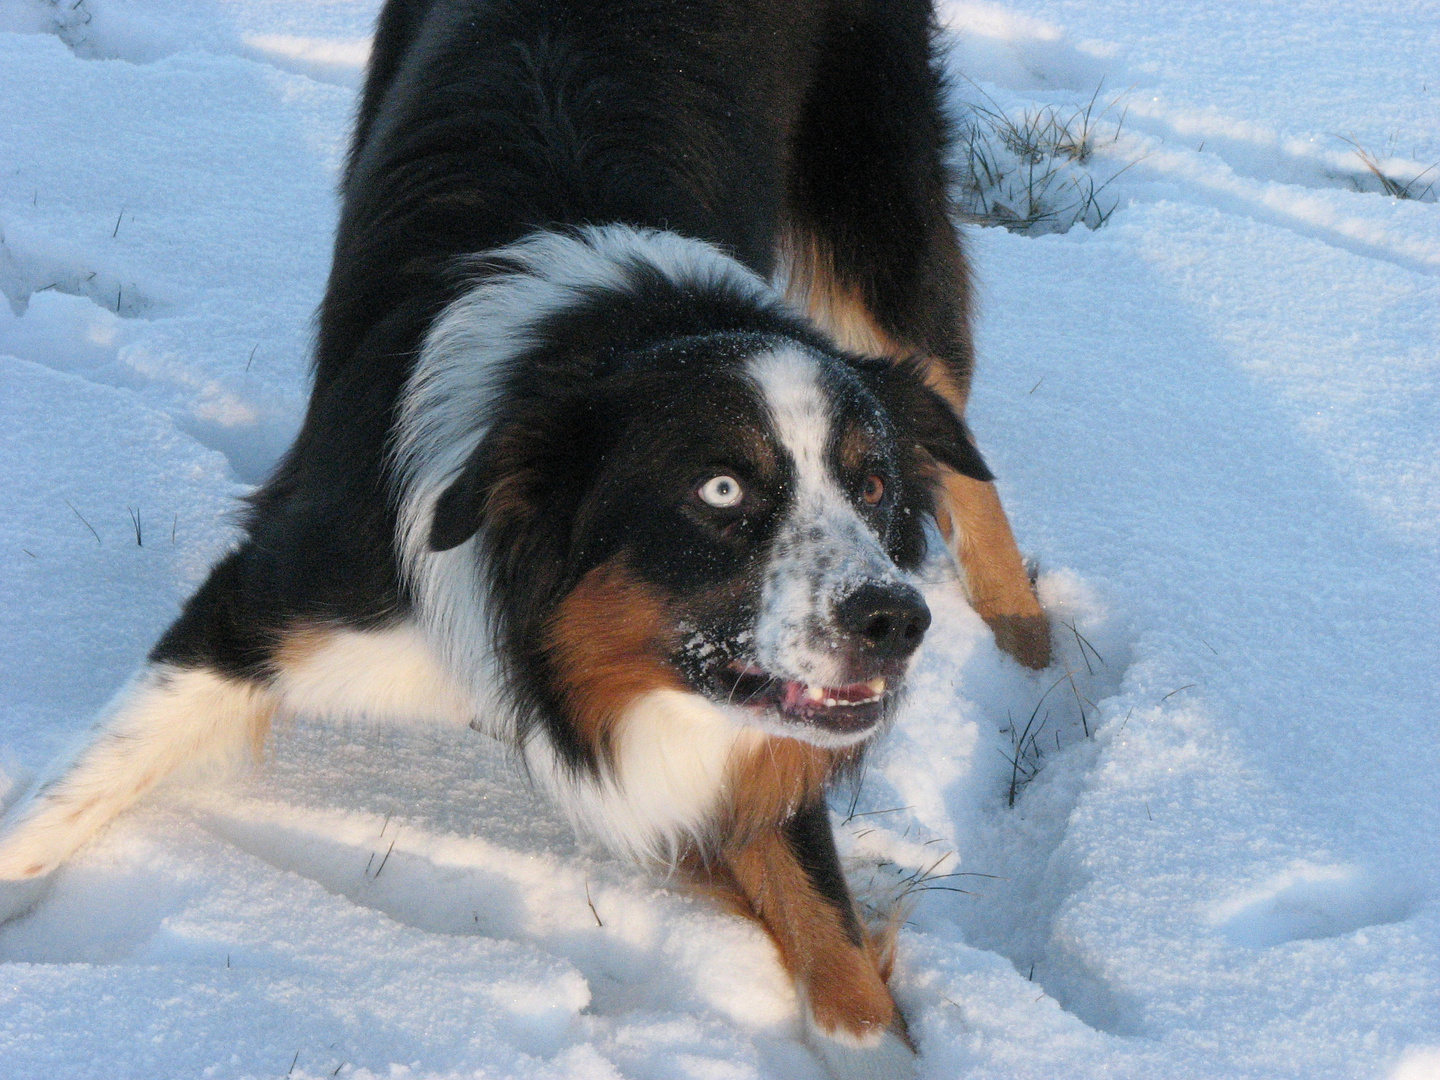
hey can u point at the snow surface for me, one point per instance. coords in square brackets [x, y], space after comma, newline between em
[1215, 420]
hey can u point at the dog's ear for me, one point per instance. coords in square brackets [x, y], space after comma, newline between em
[921, 416]
[529, 474]
[458, 511]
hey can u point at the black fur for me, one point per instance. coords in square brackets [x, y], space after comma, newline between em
[809, 836]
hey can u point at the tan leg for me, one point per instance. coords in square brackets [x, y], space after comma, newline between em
[974, 523]
[788, 878]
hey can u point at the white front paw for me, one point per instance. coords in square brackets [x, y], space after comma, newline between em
[885, 1056]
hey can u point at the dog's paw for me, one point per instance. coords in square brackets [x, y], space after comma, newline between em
[884, 1056]
[27, 841]
[1024, 637]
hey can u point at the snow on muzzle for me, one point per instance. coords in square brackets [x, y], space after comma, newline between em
[839, 624]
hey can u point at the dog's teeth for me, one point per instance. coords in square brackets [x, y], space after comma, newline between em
[830, 703]
[876, 686]
[815, 693]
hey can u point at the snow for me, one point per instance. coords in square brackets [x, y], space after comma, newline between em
[1215, 420]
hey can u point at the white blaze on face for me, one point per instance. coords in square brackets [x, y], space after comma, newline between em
[823, 549]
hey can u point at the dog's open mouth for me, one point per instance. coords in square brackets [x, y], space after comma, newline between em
[841, 709]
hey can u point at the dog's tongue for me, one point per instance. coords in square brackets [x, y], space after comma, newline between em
[800, 696]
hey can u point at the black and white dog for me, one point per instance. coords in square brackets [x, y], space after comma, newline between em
[640, 370]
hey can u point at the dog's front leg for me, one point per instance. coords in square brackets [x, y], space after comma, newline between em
[788, 877]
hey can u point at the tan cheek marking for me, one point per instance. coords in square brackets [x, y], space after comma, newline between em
[607, 642]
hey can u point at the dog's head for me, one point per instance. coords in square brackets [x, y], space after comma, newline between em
[679, 485]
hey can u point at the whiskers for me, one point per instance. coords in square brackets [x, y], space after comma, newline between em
[763, 688]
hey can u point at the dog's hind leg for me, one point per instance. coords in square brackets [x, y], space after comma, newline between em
[166, 716]
[207, 694]
[870, 252]
[203, 694]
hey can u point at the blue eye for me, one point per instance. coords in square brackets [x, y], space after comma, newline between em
[722, 491]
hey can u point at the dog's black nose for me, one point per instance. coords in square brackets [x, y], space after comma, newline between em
[889, 619]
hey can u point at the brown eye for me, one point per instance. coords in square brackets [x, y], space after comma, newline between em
[874, 490]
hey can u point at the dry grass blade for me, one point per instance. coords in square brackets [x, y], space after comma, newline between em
[592, 906]
[1026, 756]
[1392, 185]
[83, 521]
[872, 813]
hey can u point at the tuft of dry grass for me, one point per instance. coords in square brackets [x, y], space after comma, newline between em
[1389, 183]
[1027, 753]
[83, 521]
[1028, 172]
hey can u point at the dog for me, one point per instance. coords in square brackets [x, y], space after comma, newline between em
[640, 371]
